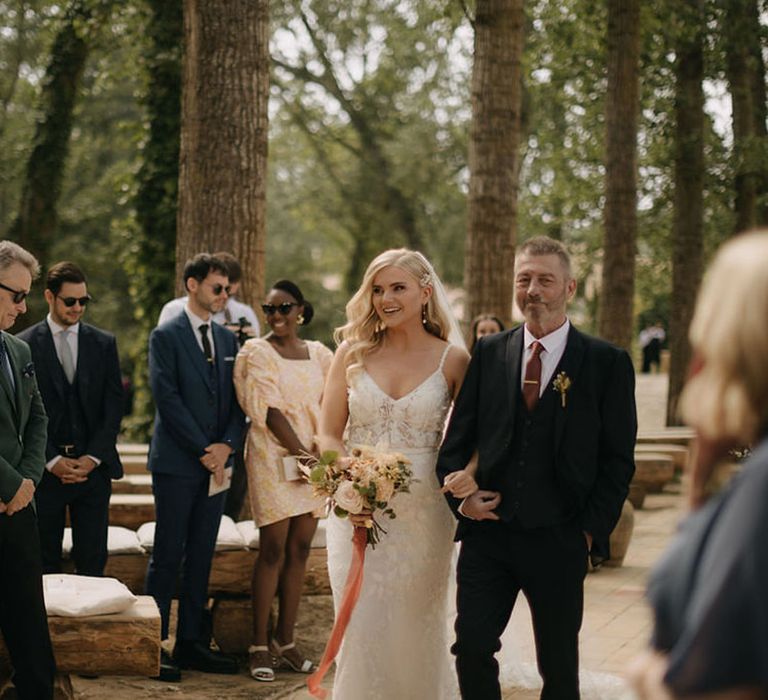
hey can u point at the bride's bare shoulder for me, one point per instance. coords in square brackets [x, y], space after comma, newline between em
[456, 362]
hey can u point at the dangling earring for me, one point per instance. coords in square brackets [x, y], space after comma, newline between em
[424, 315]
[379, 327]
[300, 319]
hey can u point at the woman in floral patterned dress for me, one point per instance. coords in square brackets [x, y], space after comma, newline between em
[279, 381]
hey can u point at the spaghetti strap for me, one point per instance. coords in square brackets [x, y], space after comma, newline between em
[442, 359]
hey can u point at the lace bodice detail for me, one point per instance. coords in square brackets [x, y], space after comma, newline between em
[413, 421]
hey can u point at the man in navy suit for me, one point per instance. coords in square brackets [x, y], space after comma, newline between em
[78, 372]
[198, 425]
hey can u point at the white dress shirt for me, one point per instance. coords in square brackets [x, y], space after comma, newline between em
[554, 346]
[196, 322]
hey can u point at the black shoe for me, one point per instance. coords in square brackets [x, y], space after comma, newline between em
[200, 657]
[169, 671]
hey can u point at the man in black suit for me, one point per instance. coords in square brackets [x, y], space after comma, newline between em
[551, 413]
[23, 621]
[78, 372]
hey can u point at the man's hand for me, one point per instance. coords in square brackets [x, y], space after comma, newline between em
[216, 456]
[85, 465]
[460, 484]
[22, 497]
[68, 470]
[481, 504]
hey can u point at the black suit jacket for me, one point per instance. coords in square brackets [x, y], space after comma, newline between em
[99, 385]
[594, 434]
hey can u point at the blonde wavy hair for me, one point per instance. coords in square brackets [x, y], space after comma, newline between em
[364, 331]
[728, 397]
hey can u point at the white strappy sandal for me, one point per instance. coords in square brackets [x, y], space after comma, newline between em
[306, 665]
[265, 674]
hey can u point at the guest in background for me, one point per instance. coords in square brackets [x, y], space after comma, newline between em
[651, 339]
[78, 372]
[279, 381]
[483, 324]
[23, 621]
[710, 638]
[198, 426]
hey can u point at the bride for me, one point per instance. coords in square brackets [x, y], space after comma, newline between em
[399, 366]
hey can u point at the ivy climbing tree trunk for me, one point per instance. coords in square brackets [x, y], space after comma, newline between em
[223, 159]
[150, 250]
[746, 78]
[493, 157]
[35, 224]
[620, 212]
[688, 232]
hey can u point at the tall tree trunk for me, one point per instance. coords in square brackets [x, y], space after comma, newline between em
[223, 160]
[150, 260]
[493, 157]
[620, 213]
[36, 221]
[687, 240]
[746, 77]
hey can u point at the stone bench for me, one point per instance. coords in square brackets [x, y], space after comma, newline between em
[652, 471]
[121, 644]
[134, 464]
[681, 435]
[678, 453]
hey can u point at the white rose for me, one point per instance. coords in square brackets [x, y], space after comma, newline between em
[349, 498]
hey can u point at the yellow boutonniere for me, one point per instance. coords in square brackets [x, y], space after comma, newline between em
[562, 383]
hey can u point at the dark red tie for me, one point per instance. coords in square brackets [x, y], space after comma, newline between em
[532, 376]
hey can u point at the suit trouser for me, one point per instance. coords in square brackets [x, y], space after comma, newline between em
[88, 504]
[187, 525]
[23, 620]
[548, 565]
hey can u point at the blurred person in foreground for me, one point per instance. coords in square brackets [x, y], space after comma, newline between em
[710, 638]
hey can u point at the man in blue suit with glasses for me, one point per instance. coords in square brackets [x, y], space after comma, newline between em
[198, 425]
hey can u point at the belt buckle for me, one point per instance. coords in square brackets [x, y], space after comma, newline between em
[68, 450]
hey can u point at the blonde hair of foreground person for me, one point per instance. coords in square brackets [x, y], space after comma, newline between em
[727, 398]
[364, 331]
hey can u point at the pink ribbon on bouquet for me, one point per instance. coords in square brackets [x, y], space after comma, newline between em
[349, 599]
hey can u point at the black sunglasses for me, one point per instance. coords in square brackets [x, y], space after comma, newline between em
[71, 301]
[284, 308]
[219, 288]
[16, 296]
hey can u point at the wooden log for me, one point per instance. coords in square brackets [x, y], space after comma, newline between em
[232, 623]
[132, 448]
[126, 643]
[133, 483]
[131, 510]
[653, 470]
[637, 493]
[134, 464]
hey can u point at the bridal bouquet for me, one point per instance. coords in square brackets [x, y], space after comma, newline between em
[365, 481]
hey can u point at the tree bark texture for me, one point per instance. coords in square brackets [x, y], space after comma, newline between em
[493, 155]
[620, 213]
[223, 160]
[746, 78]
[36, 221]
[688, 232]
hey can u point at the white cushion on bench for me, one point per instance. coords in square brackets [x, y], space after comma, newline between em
[120, 540]
[69, 595]
[229, 536]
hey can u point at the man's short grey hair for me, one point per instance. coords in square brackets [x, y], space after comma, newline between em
[544, 245]
[12, 253]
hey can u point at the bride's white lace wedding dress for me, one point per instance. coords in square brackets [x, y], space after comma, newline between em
[397, 643]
